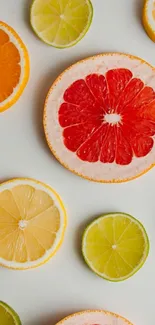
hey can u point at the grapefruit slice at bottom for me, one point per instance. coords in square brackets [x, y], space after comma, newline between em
[94, 317]
[99, 118]
[32, 223]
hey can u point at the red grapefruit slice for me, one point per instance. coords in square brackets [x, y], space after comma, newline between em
[99, 118]
[94, 317]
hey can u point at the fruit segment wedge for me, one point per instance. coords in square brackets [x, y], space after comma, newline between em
[32, 223]
[61, 23]
[94, 317]
[149, 18]
[14, 66]
[8, 316]
[115, 246]
[99, 118]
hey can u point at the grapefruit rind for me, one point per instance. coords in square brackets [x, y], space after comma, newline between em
[10, 311]
[148, 21]
[147, 247]
[70, 44]
[60, 235]
[99, 317]
[25, 65]
[53, 135]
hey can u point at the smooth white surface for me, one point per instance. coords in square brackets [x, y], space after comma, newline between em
[64, 285]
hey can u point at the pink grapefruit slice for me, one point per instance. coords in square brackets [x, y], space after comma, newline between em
[94, 317]
[99, 118]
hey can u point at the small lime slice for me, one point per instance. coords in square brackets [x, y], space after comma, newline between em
[8, 316]
[115, 246]
[61, 23]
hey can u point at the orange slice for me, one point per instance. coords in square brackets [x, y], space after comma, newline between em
[14, 66]
[94, 317]
[32, 223]
[149, 18]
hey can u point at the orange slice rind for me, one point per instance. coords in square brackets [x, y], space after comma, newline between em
[149, 18]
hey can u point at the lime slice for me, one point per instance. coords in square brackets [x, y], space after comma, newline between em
[61, 23]
[115, 246]
[8, 316]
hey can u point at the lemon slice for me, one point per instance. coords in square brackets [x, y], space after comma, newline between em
[115, 246]
[61, 23]
[32, 223]
[8, 316]
[149, 18]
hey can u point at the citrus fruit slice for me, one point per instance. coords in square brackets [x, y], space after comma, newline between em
[99, 118]
[115, 246]
[8, 316]
[61, 23]
[32, 223]
[94, 317]
[149, 18]
[14, 66]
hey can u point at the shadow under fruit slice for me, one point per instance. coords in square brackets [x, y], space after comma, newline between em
[8, 316]
[94, 317]
[61, 23]
[115, 246]
[32, 223]
[14, 66]
[99, 118]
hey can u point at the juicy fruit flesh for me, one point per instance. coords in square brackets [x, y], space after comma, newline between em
[5, 317]
[60, 22]
[115, 246]
[153, 11]
[10, 69]
[108, 118]
[29, 222]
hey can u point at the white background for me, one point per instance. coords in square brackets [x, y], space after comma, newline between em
[65, 285]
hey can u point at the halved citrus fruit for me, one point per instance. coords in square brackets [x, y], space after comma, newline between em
[94, 317]
[149, 18]
[8, 316]
[61, 23]
[32, 223]
[115, 246]
[14, 66]
[99, 118]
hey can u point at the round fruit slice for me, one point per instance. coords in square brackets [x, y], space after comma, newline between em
[94, 317]
[99, 118]
[32, 223]
[14, 66]
[8, 316]
[115, 246]
[61, 23]
[149, 18]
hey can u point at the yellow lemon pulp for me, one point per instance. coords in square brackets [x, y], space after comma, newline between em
[149, 18]
[61, 23]
[115, 246]
[32, 222]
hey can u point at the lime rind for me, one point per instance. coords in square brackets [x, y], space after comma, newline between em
[11, 311]
[136, 269]
[77, 40]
